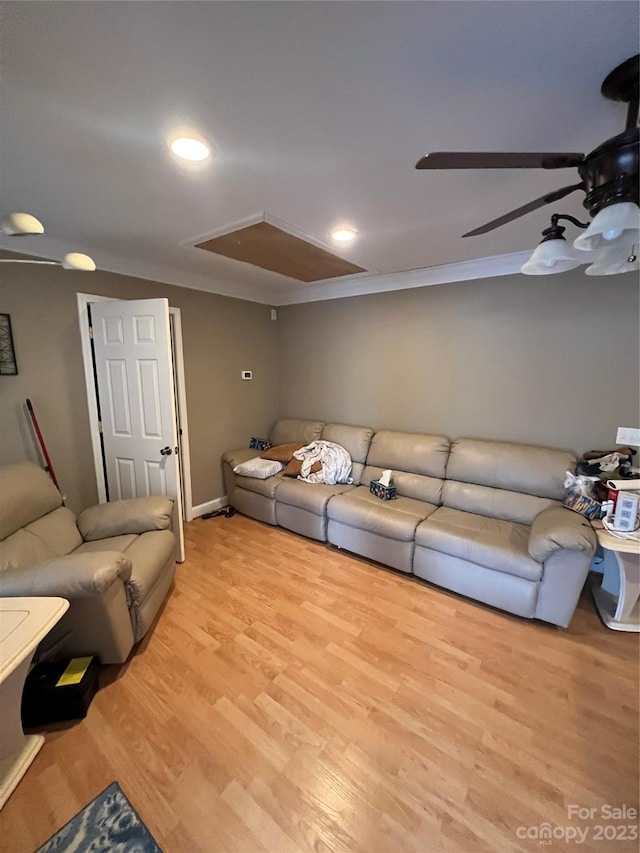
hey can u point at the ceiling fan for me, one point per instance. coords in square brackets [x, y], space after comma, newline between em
[608, 175]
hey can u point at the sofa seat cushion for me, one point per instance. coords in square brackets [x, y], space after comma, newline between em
[312, 497]
[266, 488]
[490, 542]
[112, 543]
[395, 519]
[149, 555]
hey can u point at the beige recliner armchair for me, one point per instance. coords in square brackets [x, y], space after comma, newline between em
[114, 563]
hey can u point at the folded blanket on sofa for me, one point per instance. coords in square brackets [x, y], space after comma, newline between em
[336, 463]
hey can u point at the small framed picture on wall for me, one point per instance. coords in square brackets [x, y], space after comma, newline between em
[8, 366]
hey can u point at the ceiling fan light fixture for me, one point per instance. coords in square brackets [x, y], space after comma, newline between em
[550, 257]
[616, 222]
[21, 225]
[78, 261]
[614, 261]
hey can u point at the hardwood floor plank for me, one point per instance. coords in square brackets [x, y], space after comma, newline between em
[293, 698]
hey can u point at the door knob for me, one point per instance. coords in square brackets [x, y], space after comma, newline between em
[166, 451]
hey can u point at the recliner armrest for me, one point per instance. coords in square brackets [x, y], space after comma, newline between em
[136, 515]
[73, 576]
[556, 528]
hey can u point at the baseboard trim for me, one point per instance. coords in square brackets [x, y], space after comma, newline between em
[210, 506]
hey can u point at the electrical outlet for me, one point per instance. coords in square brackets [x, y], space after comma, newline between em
[628, 435]
[246, 374]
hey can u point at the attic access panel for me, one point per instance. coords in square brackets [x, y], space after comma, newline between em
[266, 246]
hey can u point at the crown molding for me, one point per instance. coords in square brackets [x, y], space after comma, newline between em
[106, 262]
[363, 283]
[360, 284]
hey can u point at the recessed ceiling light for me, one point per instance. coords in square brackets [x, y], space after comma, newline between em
[189, 148]
[344, 234]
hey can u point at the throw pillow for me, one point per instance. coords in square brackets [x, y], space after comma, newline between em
[282, 453]
[259, 468]
[294, 468]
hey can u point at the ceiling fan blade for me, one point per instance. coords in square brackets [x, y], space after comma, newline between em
[556, 195]
[498, 160]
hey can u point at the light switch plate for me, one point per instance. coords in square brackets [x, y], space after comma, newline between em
[247, 374]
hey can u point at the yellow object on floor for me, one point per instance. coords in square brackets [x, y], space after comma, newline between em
[74, 672]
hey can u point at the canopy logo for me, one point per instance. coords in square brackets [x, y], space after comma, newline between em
[545, 833]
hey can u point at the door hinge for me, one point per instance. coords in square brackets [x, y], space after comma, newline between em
[90, 332]
[100, 427]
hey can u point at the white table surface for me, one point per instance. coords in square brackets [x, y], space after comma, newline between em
[23, 623]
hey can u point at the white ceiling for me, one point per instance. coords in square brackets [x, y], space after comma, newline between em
[318, 112]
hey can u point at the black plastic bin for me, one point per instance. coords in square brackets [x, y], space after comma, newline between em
[46, 700]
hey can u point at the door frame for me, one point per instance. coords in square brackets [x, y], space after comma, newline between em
[84, 300]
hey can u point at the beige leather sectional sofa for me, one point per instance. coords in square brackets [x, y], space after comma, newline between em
[481, 518]
[114, 563]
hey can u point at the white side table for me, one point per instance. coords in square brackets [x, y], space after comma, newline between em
[617, 598]
[23, 623]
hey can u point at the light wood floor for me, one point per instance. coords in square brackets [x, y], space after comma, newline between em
[294, 698]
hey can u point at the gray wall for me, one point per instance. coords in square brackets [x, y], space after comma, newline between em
[222, 336]
[551, 360]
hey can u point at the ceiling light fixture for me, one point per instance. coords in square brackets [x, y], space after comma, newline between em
[616, 236]
[20, 225]
[611, 262]
[554, 254]
[344, 234]
[190, 148]
[78, 261]
[23, 224]
[71, 261]
[618, 221]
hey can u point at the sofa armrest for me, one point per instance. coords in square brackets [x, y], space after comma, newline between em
[136, 515]
[557, 528]
[235, 457]
[74, 576]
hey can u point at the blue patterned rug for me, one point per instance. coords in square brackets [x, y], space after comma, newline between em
[108, 823]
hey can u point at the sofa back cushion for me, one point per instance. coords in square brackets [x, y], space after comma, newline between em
[499, 479]
[26, 493]
[355, 440]
[21, 550]
[53, 535]
[418, 463]
[295, 429]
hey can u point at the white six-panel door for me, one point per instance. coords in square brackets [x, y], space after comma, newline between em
[132, 348]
